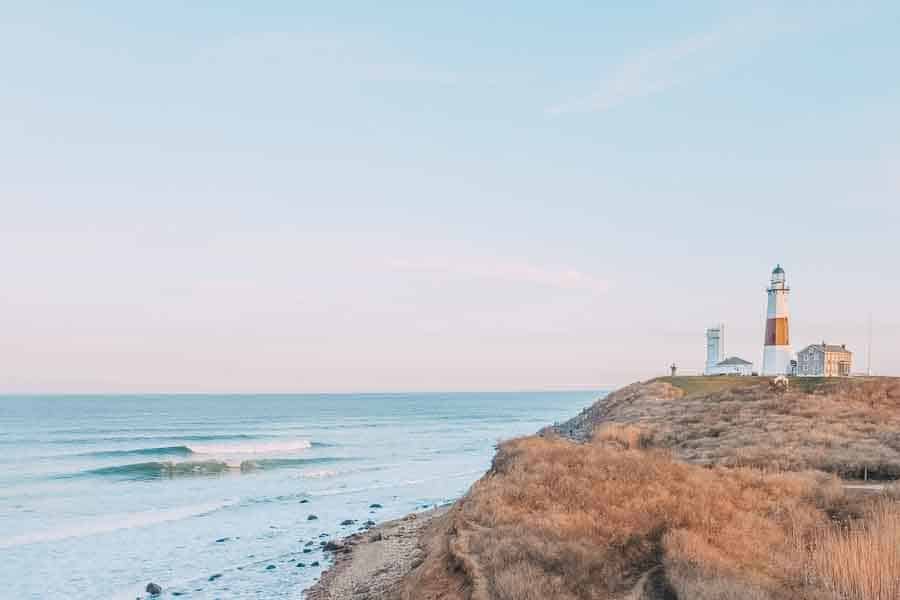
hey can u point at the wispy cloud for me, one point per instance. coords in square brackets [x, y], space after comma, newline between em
[659, 69]
[503, 271]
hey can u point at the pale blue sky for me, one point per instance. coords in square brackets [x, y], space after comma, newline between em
[393, 196]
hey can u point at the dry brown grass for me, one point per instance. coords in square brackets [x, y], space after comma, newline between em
[624, 437]
[861, 561]
[568, 521]
[850, 427]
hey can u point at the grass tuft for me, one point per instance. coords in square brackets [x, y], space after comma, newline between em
[862, 560]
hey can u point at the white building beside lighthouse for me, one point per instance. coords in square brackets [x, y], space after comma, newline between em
[716, 363]
[777, 353]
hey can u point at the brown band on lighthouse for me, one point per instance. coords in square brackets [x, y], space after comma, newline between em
[777, 332]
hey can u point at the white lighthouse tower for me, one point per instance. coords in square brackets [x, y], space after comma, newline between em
[777, 353]
[715, 348]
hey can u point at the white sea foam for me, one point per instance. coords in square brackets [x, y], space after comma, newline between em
[110, 523]
[318, 474]
[393, 484]
[251, 448]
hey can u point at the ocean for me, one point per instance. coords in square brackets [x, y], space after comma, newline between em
[222, 496]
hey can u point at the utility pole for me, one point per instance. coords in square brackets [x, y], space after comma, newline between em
[869, 349]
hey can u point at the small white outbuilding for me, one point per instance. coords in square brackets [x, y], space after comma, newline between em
[731, 366]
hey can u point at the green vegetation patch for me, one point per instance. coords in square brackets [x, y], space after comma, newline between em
[701, 385]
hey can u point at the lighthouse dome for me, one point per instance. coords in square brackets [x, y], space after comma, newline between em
[778, 275]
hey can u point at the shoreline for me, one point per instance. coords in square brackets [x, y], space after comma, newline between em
[369, 564]
[644, 426]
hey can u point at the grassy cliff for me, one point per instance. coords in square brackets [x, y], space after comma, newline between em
[683, 488]
[850, 427]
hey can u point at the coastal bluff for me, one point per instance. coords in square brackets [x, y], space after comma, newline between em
[690, 488]
[846, 426]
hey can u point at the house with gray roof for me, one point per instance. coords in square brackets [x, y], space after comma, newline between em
[824, 360]
[731, 366]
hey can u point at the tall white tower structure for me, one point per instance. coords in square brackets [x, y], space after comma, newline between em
[715, 347]
[777, 353]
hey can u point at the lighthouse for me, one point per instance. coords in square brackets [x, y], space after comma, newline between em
[777, 353]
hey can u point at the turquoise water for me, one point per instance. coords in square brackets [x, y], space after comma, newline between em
[210, 496]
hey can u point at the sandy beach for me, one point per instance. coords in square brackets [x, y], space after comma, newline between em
[369, 564]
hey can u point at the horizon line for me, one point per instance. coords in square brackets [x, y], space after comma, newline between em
[600, 388]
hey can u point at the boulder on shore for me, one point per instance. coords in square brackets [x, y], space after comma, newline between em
[153, 589]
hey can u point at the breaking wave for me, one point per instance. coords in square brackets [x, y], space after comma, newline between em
[192, 459]
[220, 449]
[273, 447]
[172, 470]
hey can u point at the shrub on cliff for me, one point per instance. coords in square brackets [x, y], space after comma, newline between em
[609, 520]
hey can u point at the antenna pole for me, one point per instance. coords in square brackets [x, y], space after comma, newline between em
[869, 349]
